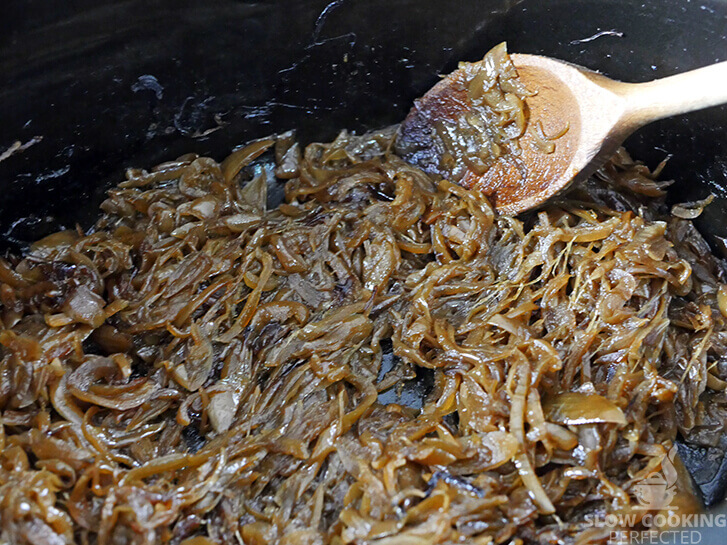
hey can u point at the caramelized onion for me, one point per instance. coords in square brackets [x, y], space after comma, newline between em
[380, 359]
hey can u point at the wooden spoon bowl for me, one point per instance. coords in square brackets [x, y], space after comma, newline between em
[583, 113]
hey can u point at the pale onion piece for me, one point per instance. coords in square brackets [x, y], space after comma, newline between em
[454, 233]
[691, 210]
[85, 307]
[198, 362]
[531, 481]
[179, 372]
[575, 408]
[202, 208]
[722, 299]
[289, 165]
[255, 193]
[56, 367]
[221, 410]
[503, 447]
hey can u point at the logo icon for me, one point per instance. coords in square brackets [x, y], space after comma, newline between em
[658, 490]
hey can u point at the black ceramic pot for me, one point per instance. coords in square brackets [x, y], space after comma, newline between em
[113, 84]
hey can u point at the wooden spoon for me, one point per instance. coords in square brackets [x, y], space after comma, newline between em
[598, 113]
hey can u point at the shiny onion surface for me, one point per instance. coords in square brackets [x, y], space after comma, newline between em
[200, 368]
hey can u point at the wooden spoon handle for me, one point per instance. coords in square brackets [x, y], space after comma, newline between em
[675, 95]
